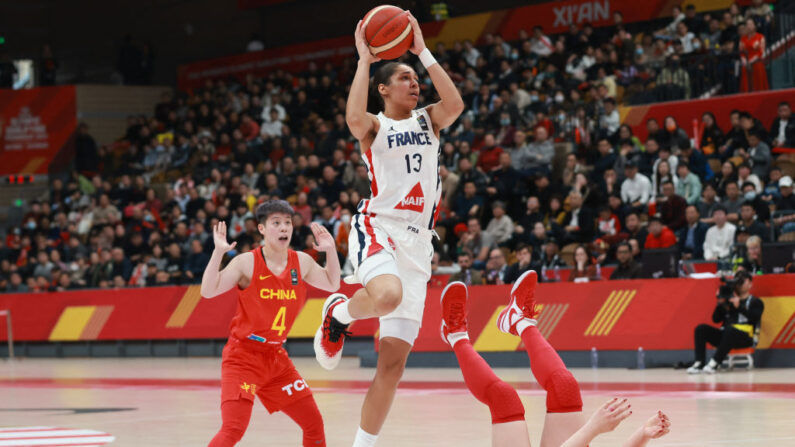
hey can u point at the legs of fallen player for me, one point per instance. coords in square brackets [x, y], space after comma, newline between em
[254, 364]
[564, 424]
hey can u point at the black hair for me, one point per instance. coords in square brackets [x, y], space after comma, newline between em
[741, 276]
[266, 209]
[720, 208]
[783, 103]
[383, 75]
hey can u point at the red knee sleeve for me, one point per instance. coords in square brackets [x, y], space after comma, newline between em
[501, 398]
[563, 392]
[306, 414]
[504, 403]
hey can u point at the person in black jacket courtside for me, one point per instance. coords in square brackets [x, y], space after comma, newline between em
[740, 314]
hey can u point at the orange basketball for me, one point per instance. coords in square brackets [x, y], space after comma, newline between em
[387, 31]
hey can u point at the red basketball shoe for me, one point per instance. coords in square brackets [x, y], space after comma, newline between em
[522, 304]
[454, 312]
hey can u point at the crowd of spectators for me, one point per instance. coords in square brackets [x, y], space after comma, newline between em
[537, 162]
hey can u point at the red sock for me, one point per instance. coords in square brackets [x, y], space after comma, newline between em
[501, 398]
[307, 416]
[235, 414]
[563, 391]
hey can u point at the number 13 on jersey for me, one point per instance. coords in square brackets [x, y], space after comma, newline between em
[413, 163]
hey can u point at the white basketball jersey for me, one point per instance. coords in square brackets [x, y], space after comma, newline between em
[403, 164]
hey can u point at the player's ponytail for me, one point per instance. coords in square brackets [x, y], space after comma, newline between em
[383, 75]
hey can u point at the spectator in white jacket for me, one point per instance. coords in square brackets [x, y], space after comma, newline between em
[272, 127]
[720, 237]
[500, 226]
[540, 44]
[273, 102]
[636, 188]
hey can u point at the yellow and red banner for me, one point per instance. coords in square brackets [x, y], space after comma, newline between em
[609, 315]
[655, 314]
[34, 125]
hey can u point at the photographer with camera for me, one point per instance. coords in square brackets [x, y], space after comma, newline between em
[739, 313]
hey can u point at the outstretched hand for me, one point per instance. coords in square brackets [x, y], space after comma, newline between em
[361, 45]
[219, 238]
[419, 42]
[609, 415]
[323, 239]
[657, 426]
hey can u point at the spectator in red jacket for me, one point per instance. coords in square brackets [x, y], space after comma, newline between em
[489, 154]
[249, 128]
[659, 236]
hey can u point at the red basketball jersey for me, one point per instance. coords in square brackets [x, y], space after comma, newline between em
[267, 308]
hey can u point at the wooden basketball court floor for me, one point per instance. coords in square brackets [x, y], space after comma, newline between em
[175, 402]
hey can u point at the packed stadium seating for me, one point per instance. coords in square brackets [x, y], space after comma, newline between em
[539, 159]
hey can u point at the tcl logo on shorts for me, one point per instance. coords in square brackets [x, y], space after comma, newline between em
[298, 385]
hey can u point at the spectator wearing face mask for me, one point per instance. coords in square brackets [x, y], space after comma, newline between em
[760, 206]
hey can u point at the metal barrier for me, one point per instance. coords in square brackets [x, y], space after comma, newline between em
[781, 61]
[10, 331]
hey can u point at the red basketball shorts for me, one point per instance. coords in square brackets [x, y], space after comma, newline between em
[251, 369]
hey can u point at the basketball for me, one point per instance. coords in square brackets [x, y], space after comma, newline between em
[388, 31]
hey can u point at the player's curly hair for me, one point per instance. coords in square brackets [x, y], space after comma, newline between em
[275, 206]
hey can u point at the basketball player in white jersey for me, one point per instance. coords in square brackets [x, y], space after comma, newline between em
[390, 241]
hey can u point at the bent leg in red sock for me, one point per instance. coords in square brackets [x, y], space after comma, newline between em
[501, 398]
[563, 391]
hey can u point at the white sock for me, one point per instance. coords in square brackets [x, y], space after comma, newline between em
[523, 324]
[455, 337]
[712, 364]
[341, 313]
[364, 439]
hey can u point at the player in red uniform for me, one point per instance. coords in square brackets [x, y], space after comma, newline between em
[254, 363]
[565, 424]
